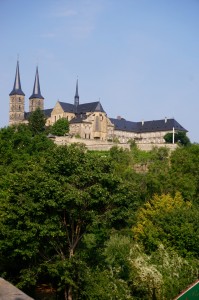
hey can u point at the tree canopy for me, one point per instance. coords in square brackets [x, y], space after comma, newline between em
[95, 225]
[37, 121]
[60, 127]
[179, 137]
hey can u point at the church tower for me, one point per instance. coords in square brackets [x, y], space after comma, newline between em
[76, 98]
[36, 99]
[17, 101]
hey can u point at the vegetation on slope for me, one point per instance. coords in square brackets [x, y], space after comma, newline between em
[92, 225]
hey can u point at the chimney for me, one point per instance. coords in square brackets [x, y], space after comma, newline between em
[165, 119]
[142, 122]
[119, 117]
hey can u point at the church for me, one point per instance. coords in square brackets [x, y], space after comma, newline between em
[87, 120]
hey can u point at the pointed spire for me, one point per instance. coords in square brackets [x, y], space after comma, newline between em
[76, 93]
[76, 98]
[17, 84]
[36, 89]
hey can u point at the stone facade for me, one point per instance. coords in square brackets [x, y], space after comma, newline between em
[96, 126]
[156, 137]
[16, 109]
[88, 121]
[58, 113]
[35, 103]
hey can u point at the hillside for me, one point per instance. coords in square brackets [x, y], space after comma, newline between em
[91, 225]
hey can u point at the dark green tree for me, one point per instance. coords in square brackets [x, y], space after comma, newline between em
[37, 121]
[18, 147]
[184, 172]
[49, 207]
[66, 216]
[60, 128]
[179, 137]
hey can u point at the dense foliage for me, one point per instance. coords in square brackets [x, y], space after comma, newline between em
[179, 137]
[37, 121]
[60, 127]
[97, 225]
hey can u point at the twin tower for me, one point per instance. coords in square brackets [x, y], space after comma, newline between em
[17, 112]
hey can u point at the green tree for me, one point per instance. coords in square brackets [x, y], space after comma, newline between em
[177, 272]
[170, 221]
[37, 121]
[61, 127]
[44, 218]
[184, 172]
[18, 147]
[179, 137]
[157, 177]
[121, 158]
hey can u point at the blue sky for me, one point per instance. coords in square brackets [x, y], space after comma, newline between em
[139, 57]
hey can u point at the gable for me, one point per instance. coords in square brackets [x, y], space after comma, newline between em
[57, 109]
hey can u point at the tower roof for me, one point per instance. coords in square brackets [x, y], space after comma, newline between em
[17, 84]
[76, 92]
[36, 89]
[76, 98]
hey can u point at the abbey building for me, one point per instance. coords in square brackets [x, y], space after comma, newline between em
[87, 120]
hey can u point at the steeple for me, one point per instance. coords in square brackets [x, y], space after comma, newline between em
[17, 101]
[17, 84]
[76, 98]
[36, 100]
[36, 89]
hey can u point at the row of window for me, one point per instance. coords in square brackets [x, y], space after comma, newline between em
[14, 99]
[16, 108]
[59, 117]
[16, 116]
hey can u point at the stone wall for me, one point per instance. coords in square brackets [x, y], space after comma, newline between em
[105, 145]
[150, 146]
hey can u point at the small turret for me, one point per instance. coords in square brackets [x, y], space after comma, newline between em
[36, 99]
[17, 100]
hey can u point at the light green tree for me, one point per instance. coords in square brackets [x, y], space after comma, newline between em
[60, 127]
